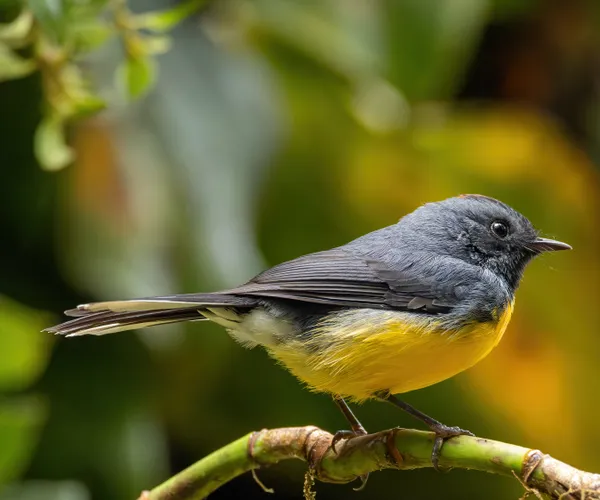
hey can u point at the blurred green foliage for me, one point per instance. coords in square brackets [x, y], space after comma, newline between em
[24, 357]
[275, 128]
[26, 352]
[56, 35]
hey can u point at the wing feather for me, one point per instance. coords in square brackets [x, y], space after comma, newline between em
[340, 278]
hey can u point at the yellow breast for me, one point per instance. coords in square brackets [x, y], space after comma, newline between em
[361, 352]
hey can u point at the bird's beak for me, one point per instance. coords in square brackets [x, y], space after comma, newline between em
[548, 245]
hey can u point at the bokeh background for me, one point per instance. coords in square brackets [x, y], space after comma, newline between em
[277, 128]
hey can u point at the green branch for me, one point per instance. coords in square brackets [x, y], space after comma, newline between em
[393, 449]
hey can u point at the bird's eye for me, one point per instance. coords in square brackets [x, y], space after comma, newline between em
[500, 229]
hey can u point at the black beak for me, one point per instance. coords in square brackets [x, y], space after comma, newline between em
[548, 245]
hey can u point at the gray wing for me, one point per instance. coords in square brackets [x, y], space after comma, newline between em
[339, 278]
[333, 278]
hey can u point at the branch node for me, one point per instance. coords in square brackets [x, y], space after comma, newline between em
[315, 448]
[531, 460]
[394, 456]
[316, 443]
[251, 443]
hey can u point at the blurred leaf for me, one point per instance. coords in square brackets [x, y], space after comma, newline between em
[167, 19]
[76, 98]
[15, 32]
[46, 490]
[379, 106]
[88, 27]
[157, 44]
[85, 10]
[430, 41]
[347, 41]
[20, 423]
[136, 75]
[89, 35]
[60, 19]
[14, 66]
[87, 104]
[24, 349]
[51, 148]
[51, 16]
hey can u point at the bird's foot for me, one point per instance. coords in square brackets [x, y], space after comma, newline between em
[346, 435]
[340, 435]
[442, 433]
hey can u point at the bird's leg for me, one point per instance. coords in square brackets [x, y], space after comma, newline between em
[355, 425]
[442, 432]
[357, 430]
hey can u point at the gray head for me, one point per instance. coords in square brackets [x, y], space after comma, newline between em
[479, 230]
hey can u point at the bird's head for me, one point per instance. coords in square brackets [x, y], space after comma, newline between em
[479, 230]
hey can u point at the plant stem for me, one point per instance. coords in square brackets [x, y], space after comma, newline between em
[395, 448]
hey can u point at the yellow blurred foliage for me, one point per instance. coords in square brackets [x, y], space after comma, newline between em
[525, 382]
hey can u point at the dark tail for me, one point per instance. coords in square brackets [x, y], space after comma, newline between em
[101, 318]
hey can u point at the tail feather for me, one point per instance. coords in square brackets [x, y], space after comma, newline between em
[101, 318]
[102, 323]
[163, 302]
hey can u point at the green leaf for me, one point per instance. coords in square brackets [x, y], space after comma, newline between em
[430, 44]
[89, 35]
[156, 44]
[60, 20]
[77, 100]
[14, 66]
[51, 148]
[20, 424]
[167, 19]
[24, 349]
[88, 104]
[136, 75]
[51, 16]
[15, 32]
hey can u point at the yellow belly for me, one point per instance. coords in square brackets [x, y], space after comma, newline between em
[364, 352]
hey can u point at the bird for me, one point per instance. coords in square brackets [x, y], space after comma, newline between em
[398, 309]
